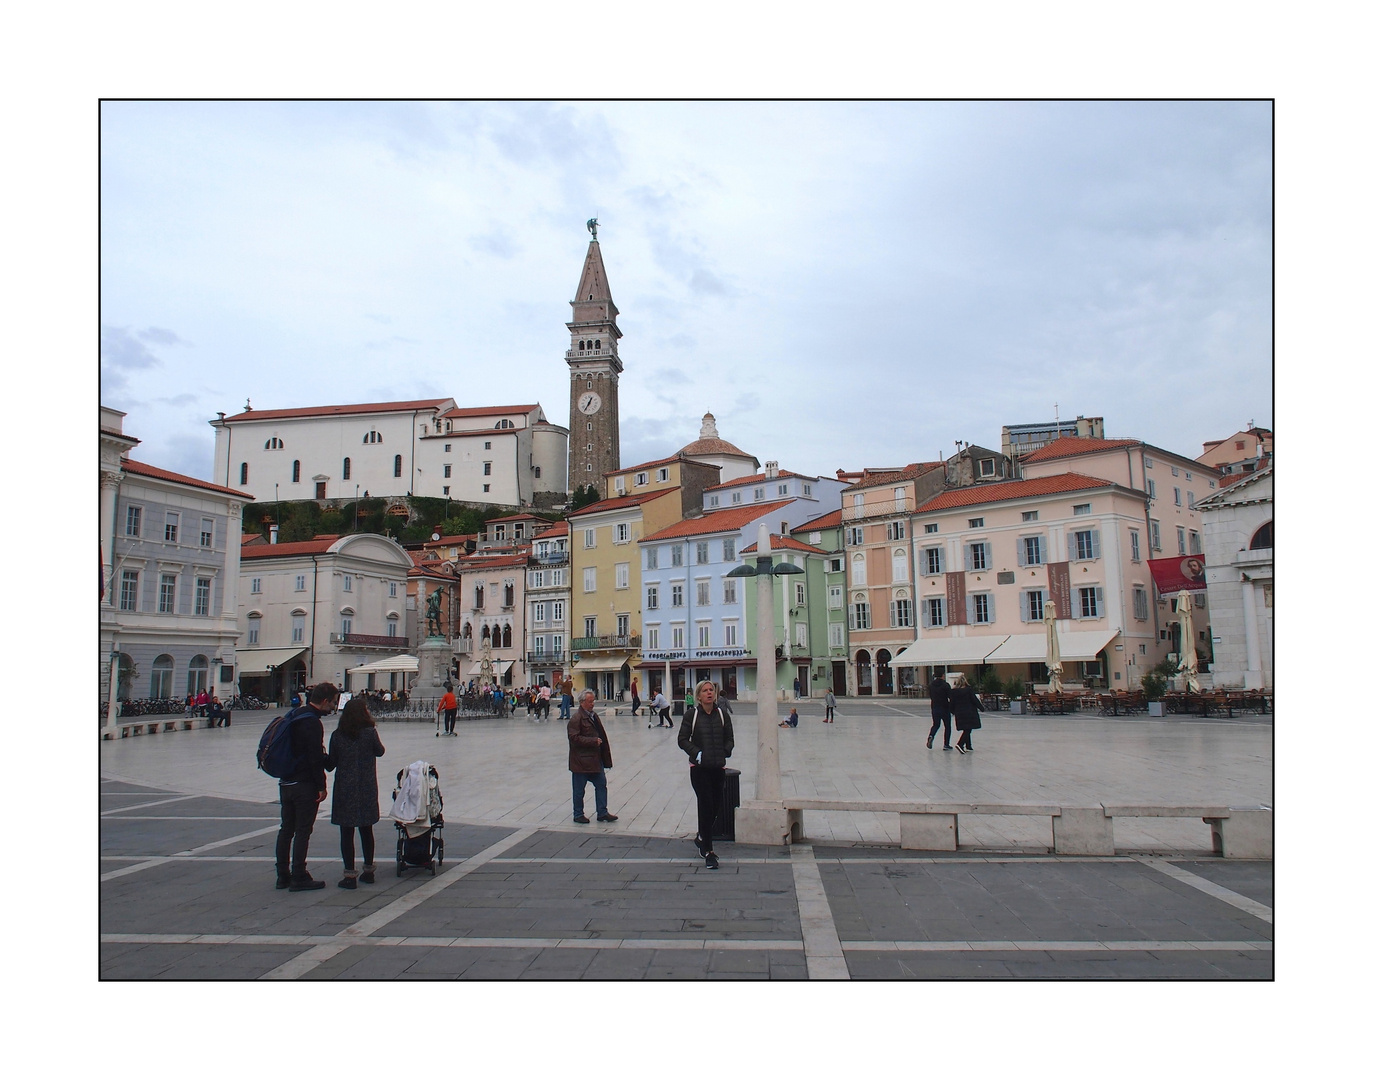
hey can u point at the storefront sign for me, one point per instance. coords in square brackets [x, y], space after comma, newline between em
[1061, 588]
[1178, 573]
[956, 588]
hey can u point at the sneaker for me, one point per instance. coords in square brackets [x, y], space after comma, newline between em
[582, 819]
[929, 743]
[607, 817]
[947, 746]
[700, 846]
[304, 883]
[712, 861]
[961, 749]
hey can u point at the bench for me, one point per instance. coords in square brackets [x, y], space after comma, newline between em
[1236, 832]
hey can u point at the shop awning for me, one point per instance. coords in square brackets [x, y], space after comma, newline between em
[1030, 648]
[945, 651]
[612, 662]
[390, 663]
[500, 667]
[258, 661]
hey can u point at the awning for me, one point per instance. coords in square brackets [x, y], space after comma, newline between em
[390, 663]
[601, 663]
[945, 651]
[500, 667]
[1030, 648]
[258, 661]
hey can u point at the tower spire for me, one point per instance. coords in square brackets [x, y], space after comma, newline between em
[593, 359]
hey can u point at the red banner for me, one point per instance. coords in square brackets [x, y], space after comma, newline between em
[1183, 572]
[1061, 588]
[956, 589]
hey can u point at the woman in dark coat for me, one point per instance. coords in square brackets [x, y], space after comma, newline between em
[353, 751]
[965, 708]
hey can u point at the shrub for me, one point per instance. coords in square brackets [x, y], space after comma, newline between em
[1154, 685]
[1013, 687]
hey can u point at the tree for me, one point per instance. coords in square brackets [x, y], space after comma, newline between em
[585, 495]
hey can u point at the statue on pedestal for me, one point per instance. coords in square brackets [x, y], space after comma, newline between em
[433, 613]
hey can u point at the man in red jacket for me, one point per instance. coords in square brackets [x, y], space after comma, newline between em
[588, 757]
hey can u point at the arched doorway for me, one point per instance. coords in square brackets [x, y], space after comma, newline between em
[162, 677]
[198, 674]
[863, 662]
[883, 671]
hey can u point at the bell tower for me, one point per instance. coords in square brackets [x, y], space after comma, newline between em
[593, 359]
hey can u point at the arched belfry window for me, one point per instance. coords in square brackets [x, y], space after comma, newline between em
[1263, 538]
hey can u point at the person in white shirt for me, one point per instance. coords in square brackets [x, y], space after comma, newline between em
[663, 708]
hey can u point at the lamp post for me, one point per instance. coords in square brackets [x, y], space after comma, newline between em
[764, 820]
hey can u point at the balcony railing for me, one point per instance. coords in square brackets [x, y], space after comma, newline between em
[375, 641]
[553, 558]
[886, 508]
[607, 641]
[549, 657]
[462, 646]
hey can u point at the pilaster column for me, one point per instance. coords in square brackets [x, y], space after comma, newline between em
[1252, 663]
[109, 493]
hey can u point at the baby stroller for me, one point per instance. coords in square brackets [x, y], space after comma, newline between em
[417, 807]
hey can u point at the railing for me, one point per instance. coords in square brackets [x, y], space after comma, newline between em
[553, 558]
[607, 641]
[887, 508]
[462, 646]
[545, 657]
[379, 641]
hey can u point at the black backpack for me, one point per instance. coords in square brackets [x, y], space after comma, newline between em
[275, 754]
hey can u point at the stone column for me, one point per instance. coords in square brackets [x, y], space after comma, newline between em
[109, 492]
[1253, 674]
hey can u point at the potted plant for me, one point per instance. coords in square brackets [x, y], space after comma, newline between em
[1014, 688]
[1154, 684]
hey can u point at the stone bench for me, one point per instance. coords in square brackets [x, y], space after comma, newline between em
[1236, 832]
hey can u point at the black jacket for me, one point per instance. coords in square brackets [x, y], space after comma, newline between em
[965, 708]
[709, 733]
[307, 740]
[354, 764]
[939, 692]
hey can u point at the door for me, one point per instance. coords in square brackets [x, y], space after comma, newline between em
[319, 489]
[803, 673]
[883, 671]
[863, 661]
[838, 679]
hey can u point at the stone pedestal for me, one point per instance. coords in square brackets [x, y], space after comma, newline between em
[1245, 834]
[765, 823]
[434, 655]
[1083, 830]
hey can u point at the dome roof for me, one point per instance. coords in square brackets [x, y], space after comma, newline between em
[711, 443]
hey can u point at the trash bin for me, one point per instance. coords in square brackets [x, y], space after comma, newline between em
[723, 829]
[679, 706]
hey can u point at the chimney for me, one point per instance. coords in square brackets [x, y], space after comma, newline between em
[275, 529]
[771, 467]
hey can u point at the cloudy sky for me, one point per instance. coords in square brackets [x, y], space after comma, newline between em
[842, 285]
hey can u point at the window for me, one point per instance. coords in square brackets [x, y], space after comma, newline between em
[347, 583]
[836, 597]
[703, 593]
[663, 474]
[1263, 538]
[678, 554]
[172, 527]
[979, 555]
[1186, 475]
[1085, 544]
[836, 635]
[702, 552]
[297, 629]
[715, 500]
[448, 448]
[558, 578]
[622, 625]
[558, 611]
[300, 583]
[372, 437]
[731, 586]
[395, 468]
[800, 593]
[677, 596]
[986, 466]
[254, 629]
[1090, 601]
[1175, 470]
[243, 473]
[273, 444]
[166, 595]
[508, 593]
[898, 565]
[732, 634]
[446, 489]
[348, 468]
[729, 550]
[162, 677]
[487, 487]
[932, 560]
[781, 489]
[1029, 515]
[133, 521]
[1177, 496]
[255, 585]
[975, 523]
[447, 472]
[651, 633]
[651, 558]
[1082, 509]
[1211, 483]
[486, 468]
[346, 625]
[1182, 540]
[1031, 550]
[622, 532]
[486, 445]
[1149, 486]
[861, 619]
[202, 596]
[759, 494]
[207, 533]
[651, 601]
[1148, 463]
[932, 527]
[737, 496]
[679, 637]
[479, 597]
[836, 566]
[622, 575]
[1155, 541]
[901, 613]
[896, 530]
[589, 579]
[536, 579]
[640, 479]
[128, 591]
[805, 489]
[932, 611]
[390, 626]
[1134, 545]
[391, 588]
[860, 570]
[295, 471]
[541, 612]
[1141, 603]
[589, 626]
[1191, 501]
[1032, 606]
[703, 635]
[588, 538]
[982, 608]
[1193, 542]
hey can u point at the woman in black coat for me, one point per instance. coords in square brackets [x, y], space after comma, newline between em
[965, 708]
[353, 751]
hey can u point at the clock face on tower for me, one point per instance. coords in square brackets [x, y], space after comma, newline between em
[589, 403]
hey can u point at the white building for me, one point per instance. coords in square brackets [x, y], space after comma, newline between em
[506, 455]
[1238, 522]
[169, 561]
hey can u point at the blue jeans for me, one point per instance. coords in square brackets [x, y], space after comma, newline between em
[565, 707]
[579, 780]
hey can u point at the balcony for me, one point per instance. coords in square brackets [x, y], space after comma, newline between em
[370, 641]
[553, 558]
[550, 657]
[607, 641]
[887, 508]
[462, 646]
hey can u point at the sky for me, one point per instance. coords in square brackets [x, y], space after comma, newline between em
[843, 284]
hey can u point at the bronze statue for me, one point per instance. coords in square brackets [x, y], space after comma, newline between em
[432, 611]
[591, 226]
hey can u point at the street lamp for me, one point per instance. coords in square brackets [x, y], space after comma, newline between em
[764, 820]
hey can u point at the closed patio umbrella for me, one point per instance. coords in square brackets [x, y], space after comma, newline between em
[1052, 660]
[1187, 658]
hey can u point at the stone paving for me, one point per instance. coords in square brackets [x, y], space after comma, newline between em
[187, 828]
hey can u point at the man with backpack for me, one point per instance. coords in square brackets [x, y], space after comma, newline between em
[303, 787]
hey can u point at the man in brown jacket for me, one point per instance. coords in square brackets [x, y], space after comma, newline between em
[588, 756]
[565, 698]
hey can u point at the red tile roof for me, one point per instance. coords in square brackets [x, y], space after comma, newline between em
[476, 562]
[489, 410]
[620, 502]
[718, 521]
[560, 529]
[679, 456]
[1071, 446]
[759, 478]
[140, 469]
[1012, 489]
[429, 569]
[341, 410]
[831, 520]
[521, 517]
[318, 546]
[449, 541]
[785, 543]
[878, 477]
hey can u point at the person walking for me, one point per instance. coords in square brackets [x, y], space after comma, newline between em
[545, 701]
[588, 757]
[303, 790]
[634, 701]
[829, 707]
[565, 706]
[966, 708]
[707, 738]
[662, 707]
[939, 711]
[448, 705]
[353, 751]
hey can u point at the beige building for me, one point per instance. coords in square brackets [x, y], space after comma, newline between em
[1243, 452]
[548, 606]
